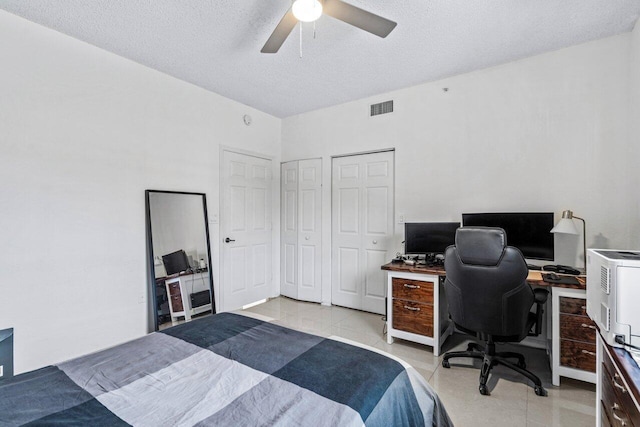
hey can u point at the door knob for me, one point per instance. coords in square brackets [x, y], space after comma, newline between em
[375, 242]
[306, 238]
[227, 240]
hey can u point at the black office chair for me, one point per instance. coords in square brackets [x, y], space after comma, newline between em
[489, 297]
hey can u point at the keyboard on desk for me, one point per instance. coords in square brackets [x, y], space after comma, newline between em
[565, 280]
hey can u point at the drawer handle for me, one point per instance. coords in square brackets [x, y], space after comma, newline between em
[588, 352]
[412, 308]
[584, 307]
[584, 325]
[616, 377]
[622, 421]
[406, 285]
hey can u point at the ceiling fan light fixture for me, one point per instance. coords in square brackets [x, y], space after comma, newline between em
[306, 10]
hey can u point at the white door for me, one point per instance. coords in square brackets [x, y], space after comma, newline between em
[362, 229]
[301, 210]
[245, 230]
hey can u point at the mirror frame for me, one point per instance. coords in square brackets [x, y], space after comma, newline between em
[151, 275]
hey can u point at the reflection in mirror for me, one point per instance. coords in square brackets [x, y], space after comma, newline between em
[180, 279]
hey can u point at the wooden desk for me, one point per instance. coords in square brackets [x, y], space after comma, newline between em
[179, 290]
[534, 278]
[572, 347]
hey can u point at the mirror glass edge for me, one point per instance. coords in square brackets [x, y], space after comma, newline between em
[152, 315]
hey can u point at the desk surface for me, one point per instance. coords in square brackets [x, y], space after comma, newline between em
[182, 274]
[534, 278]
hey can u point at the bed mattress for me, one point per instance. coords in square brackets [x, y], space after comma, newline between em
[229, 370]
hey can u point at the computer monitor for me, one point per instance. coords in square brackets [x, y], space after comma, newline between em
[528, 231]
[429, 237]
[175, 262]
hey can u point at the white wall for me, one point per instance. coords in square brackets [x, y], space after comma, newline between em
[634, 138]
[82, 134]
[546, 133]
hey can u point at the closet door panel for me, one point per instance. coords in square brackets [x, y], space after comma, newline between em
[310, 230]
[301, 236]
[289, 230]
[362, 229]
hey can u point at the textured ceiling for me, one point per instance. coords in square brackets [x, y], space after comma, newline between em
[216, 44]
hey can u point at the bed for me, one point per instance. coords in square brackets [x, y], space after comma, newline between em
[227, 369]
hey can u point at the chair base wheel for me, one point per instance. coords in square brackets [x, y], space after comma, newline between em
[445, 364]
[483, 390]
[540, 391]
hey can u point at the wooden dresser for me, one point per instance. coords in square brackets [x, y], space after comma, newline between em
[618, 387]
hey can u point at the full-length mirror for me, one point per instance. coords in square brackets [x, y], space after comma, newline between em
[179, 262]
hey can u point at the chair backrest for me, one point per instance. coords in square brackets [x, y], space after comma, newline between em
[486, 286]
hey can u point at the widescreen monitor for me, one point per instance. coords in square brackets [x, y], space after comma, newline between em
[429, 237]
[528, 231]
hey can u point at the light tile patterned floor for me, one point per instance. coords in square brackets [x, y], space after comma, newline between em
[512, 401]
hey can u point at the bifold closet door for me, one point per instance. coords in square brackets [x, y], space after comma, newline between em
[289, 229]
[301, 210]
[362, 196]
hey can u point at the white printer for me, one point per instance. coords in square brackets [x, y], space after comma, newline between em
[613, 294]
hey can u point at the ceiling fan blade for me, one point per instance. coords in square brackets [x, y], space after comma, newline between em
[357, 17]
[280, 34]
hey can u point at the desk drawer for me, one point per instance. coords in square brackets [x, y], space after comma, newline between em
[579, 355]
[577, 328]
[413, 290]
[576, 306]
[612, 408]
[620, 411]
[615, 392]
[176, 303]
[413, 317]
[174, 288]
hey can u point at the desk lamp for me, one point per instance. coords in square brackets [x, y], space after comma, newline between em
[567, 226]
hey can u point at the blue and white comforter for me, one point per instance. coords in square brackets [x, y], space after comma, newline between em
[227, 370]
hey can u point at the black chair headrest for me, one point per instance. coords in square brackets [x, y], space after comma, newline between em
[480, 245]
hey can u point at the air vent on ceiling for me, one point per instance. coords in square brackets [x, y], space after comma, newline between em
[381, 108]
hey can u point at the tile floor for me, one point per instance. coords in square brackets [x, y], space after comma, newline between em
[512, 401]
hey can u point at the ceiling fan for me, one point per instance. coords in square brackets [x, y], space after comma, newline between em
[310, 10]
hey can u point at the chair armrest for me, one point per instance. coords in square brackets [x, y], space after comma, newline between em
[539, 298]
[540, 295]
